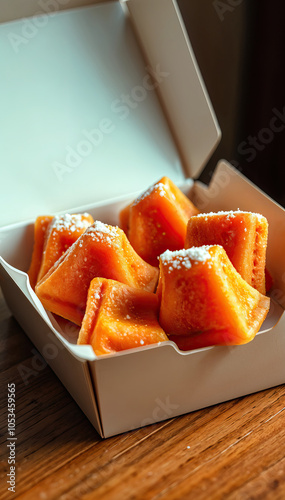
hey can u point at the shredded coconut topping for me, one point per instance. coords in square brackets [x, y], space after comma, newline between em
[185, 257]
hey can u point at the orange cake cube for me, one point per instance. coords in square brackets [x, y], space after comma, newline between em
[119, 317]
[101, 251]
[242, 234]
[62, 232]
[268, 280]
[204, 299]
[124, 217]
[157, 220]
[40, 229]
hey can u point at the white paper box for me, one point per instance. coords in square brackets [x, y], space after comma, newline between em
[145, 385]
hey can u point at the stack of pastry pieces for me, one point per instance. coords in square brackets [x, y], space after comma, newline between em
[105, 282]
[213, 291]
[101, 284]
[169, 272]
[53, 235]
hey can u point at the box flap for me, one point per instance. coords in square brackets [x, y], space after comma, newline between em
[17, 9]
[231, 190]
[81, 121]
[166, 44]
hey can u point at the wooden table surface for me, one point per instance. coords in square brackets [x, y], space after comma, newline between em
[235, 450]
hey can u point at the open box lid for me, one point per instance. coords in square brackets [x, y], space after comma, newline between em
[81, 121]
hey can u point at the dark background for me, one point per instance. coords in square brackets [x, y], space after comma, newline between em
[240, 48]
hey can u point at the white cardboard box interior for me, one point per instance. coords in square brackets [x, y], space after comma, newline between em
[138, 387]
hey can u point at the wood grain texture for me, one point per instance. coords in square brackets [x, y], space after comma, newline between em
[235, 450]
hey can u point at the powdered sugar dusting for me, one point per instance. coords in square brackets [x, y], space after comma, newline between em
[156, 187]
[104, 228]
[102, 232]
[72, 223]
[229, 214]
[185, 257]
